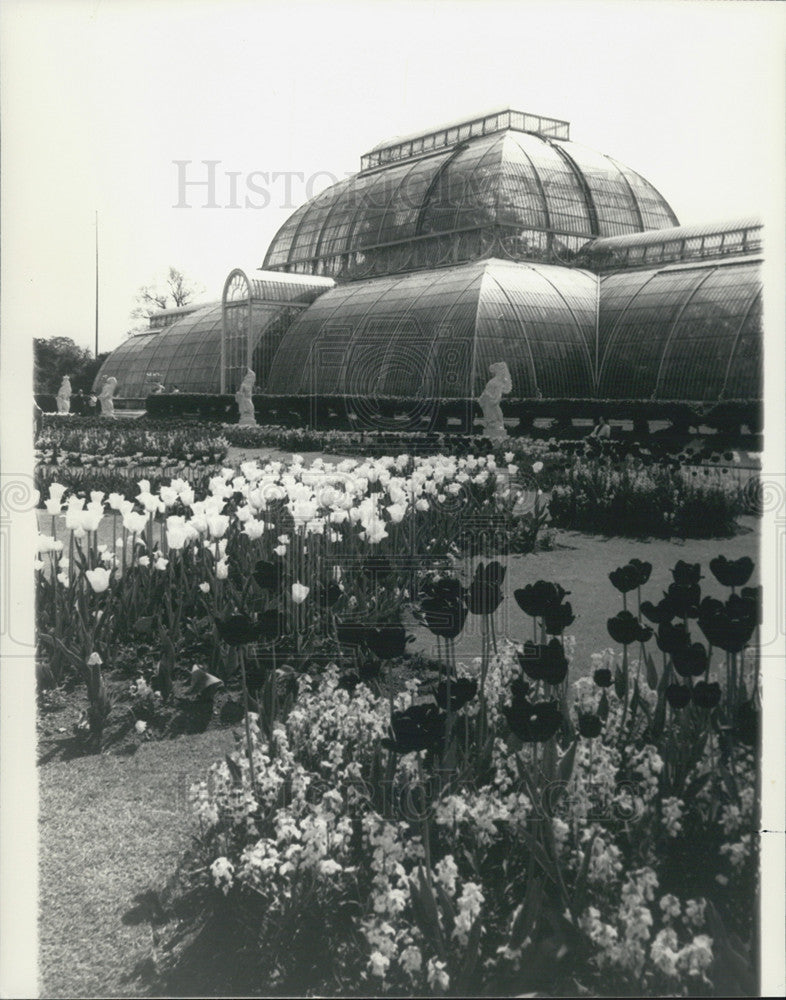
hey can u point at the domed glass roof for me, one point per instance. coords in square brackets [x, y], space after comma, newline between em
[509, 193]
[433, 334]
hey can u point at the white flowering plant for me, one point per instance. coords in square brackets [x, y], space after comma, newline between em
[510, 845]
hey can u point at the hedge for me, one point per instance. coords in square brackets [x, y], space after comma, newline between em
[455, 415]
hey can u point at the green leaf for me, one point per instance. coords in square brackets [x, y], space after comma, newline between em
[471, 955]
[620, 685]
[652, 673]
[581, 881]
[541, 857]
[634, 701]
[448, 909]
[603, 707]
[526, 915]
[431, 913]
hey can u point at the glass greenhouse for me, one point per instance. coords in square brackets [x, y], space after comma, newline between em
[495, 238]
[435, 333]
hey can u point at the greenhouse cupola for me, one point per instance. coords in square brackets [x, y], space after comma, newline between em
[506, 184]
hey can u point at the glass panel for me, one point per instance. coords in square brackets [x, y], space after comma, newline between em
[390, 336]
[671, 333]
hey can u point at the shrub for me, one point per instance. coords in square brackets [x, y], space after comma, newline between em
[639, 502]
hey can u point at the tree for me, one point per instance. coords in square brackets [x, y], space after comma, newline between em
[170, 292]
[58, 356]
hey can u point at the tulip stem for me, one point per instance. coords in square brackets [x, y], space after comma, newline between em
[241, 655]
[424, 818]
[493, 632]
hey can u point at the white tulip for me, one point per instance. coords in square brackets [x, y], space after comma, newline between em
[56, 492]
[397, 512]
[134, 522]
[222, 569]
[98, 579]
[253, 528]
[217, 525]
[299, 592]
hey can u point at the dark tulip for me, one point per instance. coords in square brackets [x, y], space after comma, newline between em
[602, 677]
[590, 725]
[270, 624]
[706, 695]
[462, 690]
[687, 573]
[753, 594]
[446, 588]
[624, 578]
[672, 637]
[644, 570]
[377, 566]
[659, 614]
[482, 597]
[349, 681]
[352, 633]
[743, 609]
[492, 573]
[419, 727]
[732, 572]
[677, 695]
[445, 616]
[690, 661]
[710, 607]
[727, 626]
[329, 594]
[387, 641]
[684, 598]
[533, 722]
[537, 598]
[370, 670]
[624, 628]
[520, 689]
[557, 619]
[544, 662]
[268, 575]
[237, 630]
[746, 728]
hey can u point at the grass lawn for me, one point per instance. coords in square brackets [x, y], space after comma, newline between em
[110, 829]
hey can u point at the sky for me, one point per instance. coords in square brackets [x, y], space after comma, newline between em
[101, 99]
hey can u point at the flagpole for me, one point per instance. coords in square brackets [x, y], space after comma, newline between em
[96, 284]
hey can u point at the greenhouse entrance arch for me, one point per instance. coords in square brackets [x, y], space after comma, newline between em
[256, 312]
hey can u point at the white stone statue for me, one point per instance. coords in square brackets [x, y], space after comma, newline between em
[105, 399]
[64, 396]
[245, 403]
[489, 399]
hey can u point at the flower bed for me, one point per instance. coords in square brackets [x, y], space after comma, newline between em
[640, 501]
[477, 828]
[486, 830]
[178, 559]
